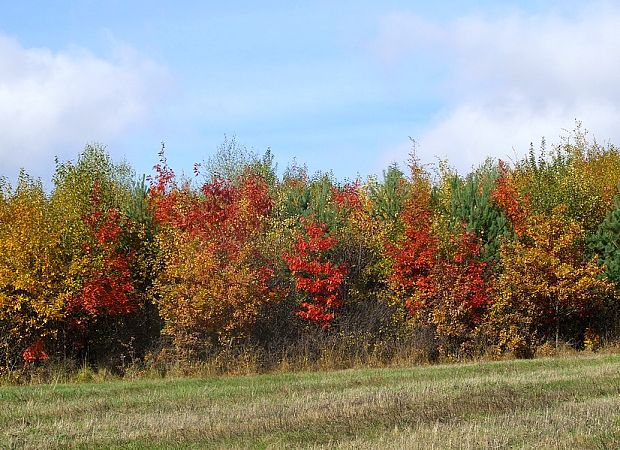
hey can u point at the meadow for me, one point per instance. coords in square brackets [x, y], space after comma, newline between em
[567, 402]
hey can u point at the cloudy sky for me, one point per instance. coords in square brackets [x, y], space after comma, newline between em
[336, 85]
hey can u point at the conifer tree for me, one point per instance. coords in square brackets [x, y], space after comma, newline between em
[471, 203]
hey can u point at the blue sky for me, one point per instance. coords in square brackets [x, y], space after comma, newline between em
[337, 85]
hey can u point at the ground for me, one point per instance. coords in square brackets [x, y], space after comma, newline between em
[569, 402]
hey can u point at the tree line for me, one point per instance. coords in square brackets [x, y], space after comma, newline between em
[502, 260]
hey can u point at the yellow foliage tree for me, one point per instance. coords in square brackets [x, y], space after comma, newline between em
[548, 290]
[32, 286]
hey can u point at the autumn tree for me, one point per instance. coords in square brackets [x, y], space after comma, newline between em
[214, 277]
[516, 206]
[103, 287]
[33, 288]
[548, 290]
[103, 311]
[345, 213]
[578, 175]
[368, 316]
[317, 279]
[441, 282]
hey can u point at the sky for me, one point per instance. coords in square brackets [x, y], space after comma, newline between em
[339, 86]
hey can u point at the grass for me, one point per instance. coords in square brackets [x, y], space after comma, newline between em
[570, 402]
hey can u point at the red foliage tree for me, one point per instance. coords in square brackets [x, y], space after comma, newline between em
[459, 275]
[414, 255]
[440, 280]
[315, 275]
[444, 287]
[347, 197]
[222, 208]
[107, 286]
[36, 352]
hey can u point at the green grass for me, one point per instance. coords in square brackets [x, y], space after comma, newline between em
[546, 403]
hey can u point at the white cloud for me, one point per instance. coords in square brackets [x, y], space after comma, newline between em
[53, 103]
[512, 78]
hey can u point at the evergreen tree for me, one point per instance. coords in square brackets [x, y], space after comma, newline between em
[606, 243]
[471, 203]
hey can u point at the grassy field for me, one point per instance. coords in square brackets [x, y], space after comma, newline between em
[546, 403]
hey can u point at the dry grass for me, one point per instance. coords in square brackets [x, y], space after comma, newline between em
[571, 402]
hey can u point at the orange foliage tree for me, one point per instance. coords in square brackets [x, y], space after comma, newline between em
[442, 282]
[507, 197]
[214, 276]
